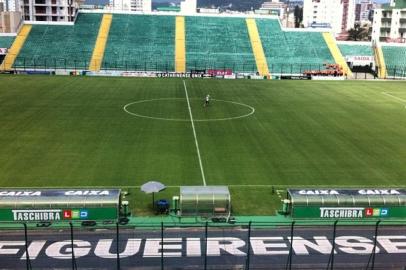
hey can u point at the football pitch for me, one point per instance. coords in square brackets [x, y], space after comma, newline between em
[255, 136]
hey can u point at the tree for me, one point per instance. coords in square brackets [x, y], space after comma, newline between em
[358, 33]
[298, 16]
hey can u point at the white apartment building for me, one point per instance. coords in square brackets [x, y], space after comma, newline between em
[131, 5]
[274, 7]
[10, 5]
[50, 10]
[363, 9]
[188, 7]
[389, 23]
[337, 14]
[9, 21]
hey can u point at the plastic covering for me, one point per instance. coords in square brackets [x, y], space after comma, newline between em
[208, 201]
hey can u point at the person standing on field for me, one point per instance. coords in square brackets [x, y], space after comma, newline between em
[207, 101]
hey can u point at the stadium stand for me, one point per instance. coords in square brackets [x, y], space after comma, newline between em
[356, 50]
[175, 43]
[218, 43]
[60, 46]
[395, 60]
[100, 46]
[15, 48]
[335, 51]
[257, 48]
[292, 51]
[143, 42]
[180, 45]
[380, 61]
[6, 41]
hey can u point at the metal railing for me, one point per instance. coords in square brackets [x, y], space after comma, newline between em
[58, 64]
[394, 72]
[252, 245]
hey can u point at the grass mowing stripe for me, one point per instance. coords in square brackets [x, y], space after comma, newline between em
[194, 134]
[71, 132]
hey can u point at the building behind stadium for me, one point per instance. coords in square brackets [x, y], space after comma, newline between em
[390, 22]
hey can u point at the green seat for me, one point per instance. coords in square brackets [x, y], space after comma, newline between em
[218, 43]
[140, 42]
[60, 46]
[355, 50]
[292, 51]
[395, 60]
[6, 42]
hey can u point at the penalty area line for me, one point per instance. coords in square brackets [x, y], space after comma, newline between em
[194, 134]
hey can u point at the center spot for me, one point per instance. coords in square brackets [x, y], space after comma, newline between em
[175, 109]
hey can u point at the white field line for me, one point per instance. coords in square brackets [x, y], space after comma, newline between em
[125, 108]
[194, 134]
[395, 97]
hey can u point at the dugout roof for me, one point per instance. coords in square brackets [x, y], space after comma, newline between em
[69, 198]
[347, 197]
[205, 201]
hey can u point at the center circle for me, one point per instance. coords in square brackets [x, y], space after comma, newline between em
[219, 108]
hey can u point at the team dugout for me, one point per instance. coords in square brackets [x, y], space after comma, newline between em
[59, 205]
[205, 201]
[346, 203]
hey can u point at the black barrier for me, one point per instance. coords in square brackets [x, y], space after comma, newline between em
[247, 261]
[373, 253]
[331, 259]
[283, 70]
[289, 261]
[74, 265]
[27, 256]
[118, 245]
[206, 232]
[251, 245]
[393, 72]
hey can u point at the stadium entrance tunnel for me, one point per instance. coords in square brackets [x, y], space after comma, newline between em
[176, 109]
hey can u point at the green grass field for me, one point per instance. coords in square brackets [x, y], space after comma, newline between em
[74, 132]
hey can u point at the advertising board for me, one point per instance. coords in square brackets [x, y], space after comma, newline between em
[60, 214]
[34, 205]
[348, 212]
[219, 72]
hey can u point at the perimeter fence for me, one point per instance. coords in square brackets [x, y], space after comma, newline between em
[55, 64]
[205, 246]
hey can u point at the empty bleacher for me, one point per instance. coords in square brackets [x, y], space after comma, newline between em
[218, 43]
[147, 42]
[395, 60]
[292, 51]
[141, 42]
[60, 46]
[6, 41]
[356, 50]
